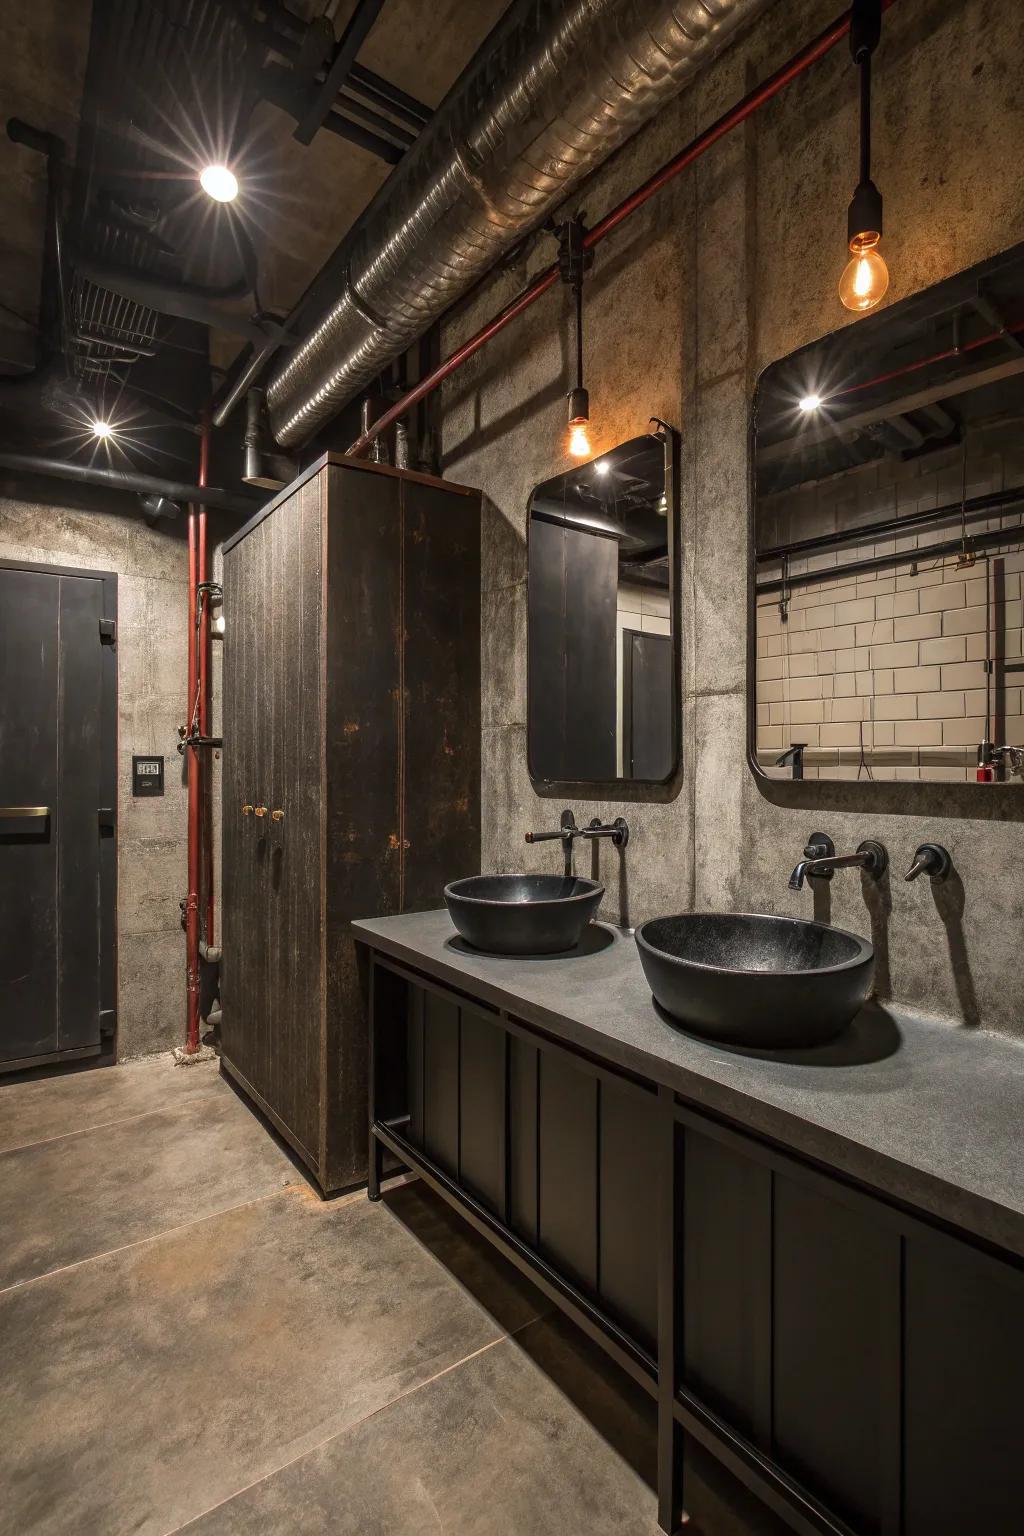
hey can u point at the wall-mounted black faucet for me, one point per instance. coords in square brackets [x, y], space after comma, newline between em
[568, 831]
[794, 754]
[820, 860]
[930, 859]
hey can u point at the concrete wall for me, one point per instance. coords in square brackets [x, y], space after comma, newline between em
[151, 566]
[732, 266]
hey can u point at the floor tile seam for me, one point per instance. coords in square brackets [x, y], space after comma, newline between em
[346, 1429]
[152, 1237]
[104, 1125]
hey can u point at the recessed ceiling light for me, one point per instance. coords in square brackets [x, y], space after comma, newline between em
[102, 429]
[810, 402]
[220, 183]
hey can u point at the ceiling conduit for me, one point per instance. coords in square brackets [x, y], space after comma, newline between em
[558, 88]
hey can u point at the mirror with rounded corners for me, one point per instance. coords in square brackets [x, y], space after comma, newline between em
[603, 630]
[888, 543]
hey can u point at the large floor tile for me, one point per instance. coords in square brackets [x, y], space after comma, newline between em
[69, 1198]
[496, 1445]
[38, 1108]
[144, 1387]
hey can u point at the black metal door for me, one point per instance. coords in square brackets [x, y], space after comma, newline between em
[647, 706]
[57, 743]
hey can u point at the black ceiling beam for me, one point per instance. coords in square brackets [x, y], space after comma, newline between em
[416, 113]
[278, 85]
[352, 39]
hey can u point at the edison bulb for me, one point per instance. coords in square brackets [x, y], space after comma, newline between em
[579, 442]
[866, 277]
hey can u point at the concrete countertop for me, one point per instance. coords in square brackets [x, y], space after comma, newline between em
[927, 1112]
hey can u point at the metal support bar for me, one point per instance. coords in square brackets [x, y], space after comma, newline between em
[992, 539]
[118, 480]
[352, 39]
[279, 86]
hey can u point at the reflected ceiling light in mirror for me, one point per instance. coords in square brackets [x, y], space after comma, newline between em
[810, 403]
[219, 182]
[866, 276]
[602, 467]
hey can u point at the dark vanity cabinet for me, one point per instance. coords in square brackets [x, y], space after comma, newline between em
[351, 772]
[858, 1367]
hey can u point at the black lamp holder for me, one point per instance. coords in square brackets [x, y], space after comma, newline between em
[865, 213]
[573, 261]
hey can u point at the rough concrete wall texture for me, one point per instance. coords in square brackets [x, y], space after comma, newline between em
[736, 263]
[152, 592]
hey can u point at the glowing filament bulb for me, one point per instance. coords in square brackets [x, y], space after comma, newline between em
[866, 277]
[579, 442]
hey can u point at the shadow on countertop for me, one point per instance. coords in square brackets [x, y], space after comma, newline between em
[874, 1035]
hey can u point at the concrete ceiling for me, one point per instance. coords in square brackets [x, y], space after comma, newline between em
[308, 196]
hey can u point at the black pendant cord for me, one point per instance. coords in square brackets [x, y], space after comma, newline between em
[865, 117]
[578, 291]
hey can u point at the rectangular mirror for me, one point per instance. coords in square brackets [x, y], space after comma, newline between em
[888, 547]
[603, 646]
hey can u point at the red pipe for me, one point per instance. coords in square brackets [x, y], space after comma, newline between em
[192, 770]
[743, 109]
[204, 685]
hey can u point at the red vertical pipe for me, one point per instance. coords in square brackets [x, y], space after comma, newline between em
[205, 765]
[192, 770]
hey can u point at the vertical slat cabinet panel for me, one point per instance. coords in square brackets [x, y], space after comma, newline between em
[568, 1168]
[725, 1269]
[629, 1182]
[362, 761]
[964, 1374]
[482, 1044]
[244, 917]
[836, 1352]
[292, 776]
[414, 1064]
[441, 690]
[81, 760]
[441, 1081]
[522, 1137]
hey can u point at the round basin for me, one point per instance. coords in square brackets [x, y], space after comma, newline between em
[750, 979]
[522, 914]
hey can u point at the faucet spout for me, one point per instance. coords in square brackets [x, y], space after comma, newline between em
[796, 879]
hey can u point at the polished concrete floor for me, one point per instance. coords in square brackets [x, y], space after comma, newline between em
[192, 1340]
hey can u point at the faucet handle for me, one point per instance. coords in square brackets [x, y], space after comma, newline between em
[930, 859]
[876, 860]
[820, 846]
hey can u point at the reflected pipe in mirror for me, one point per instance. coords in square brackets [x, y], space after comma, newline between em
[886, 618]
[603, 651]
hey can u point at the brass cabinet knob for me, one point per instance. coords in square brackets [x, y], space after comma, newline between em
[277, 815]
[261, 811]
[246, 810]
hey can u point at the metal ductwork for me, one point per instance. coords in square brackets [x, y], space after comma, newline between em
[556, 90]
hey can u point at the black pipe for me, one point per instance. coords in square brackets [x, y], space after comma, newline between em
[923, 556]
[185, 301]
[972, 509]
[119, 480]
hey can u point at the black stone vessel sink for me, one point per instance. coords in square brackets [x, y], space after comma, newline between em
[753, 980]
[522, 914]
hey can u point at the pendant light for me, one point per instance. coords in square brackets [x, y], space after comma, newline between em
[866, 278]
[572, 260]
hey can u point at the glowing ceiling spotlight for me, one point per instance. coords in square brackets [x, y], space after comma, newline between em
[102, 430]
[810, 403]
[219, 182]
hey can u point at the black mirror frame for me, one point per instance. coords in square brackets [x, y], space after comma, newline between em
[655, 790]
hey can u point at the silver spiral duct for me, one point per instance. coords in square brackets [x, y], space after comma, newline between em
[561, 84]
